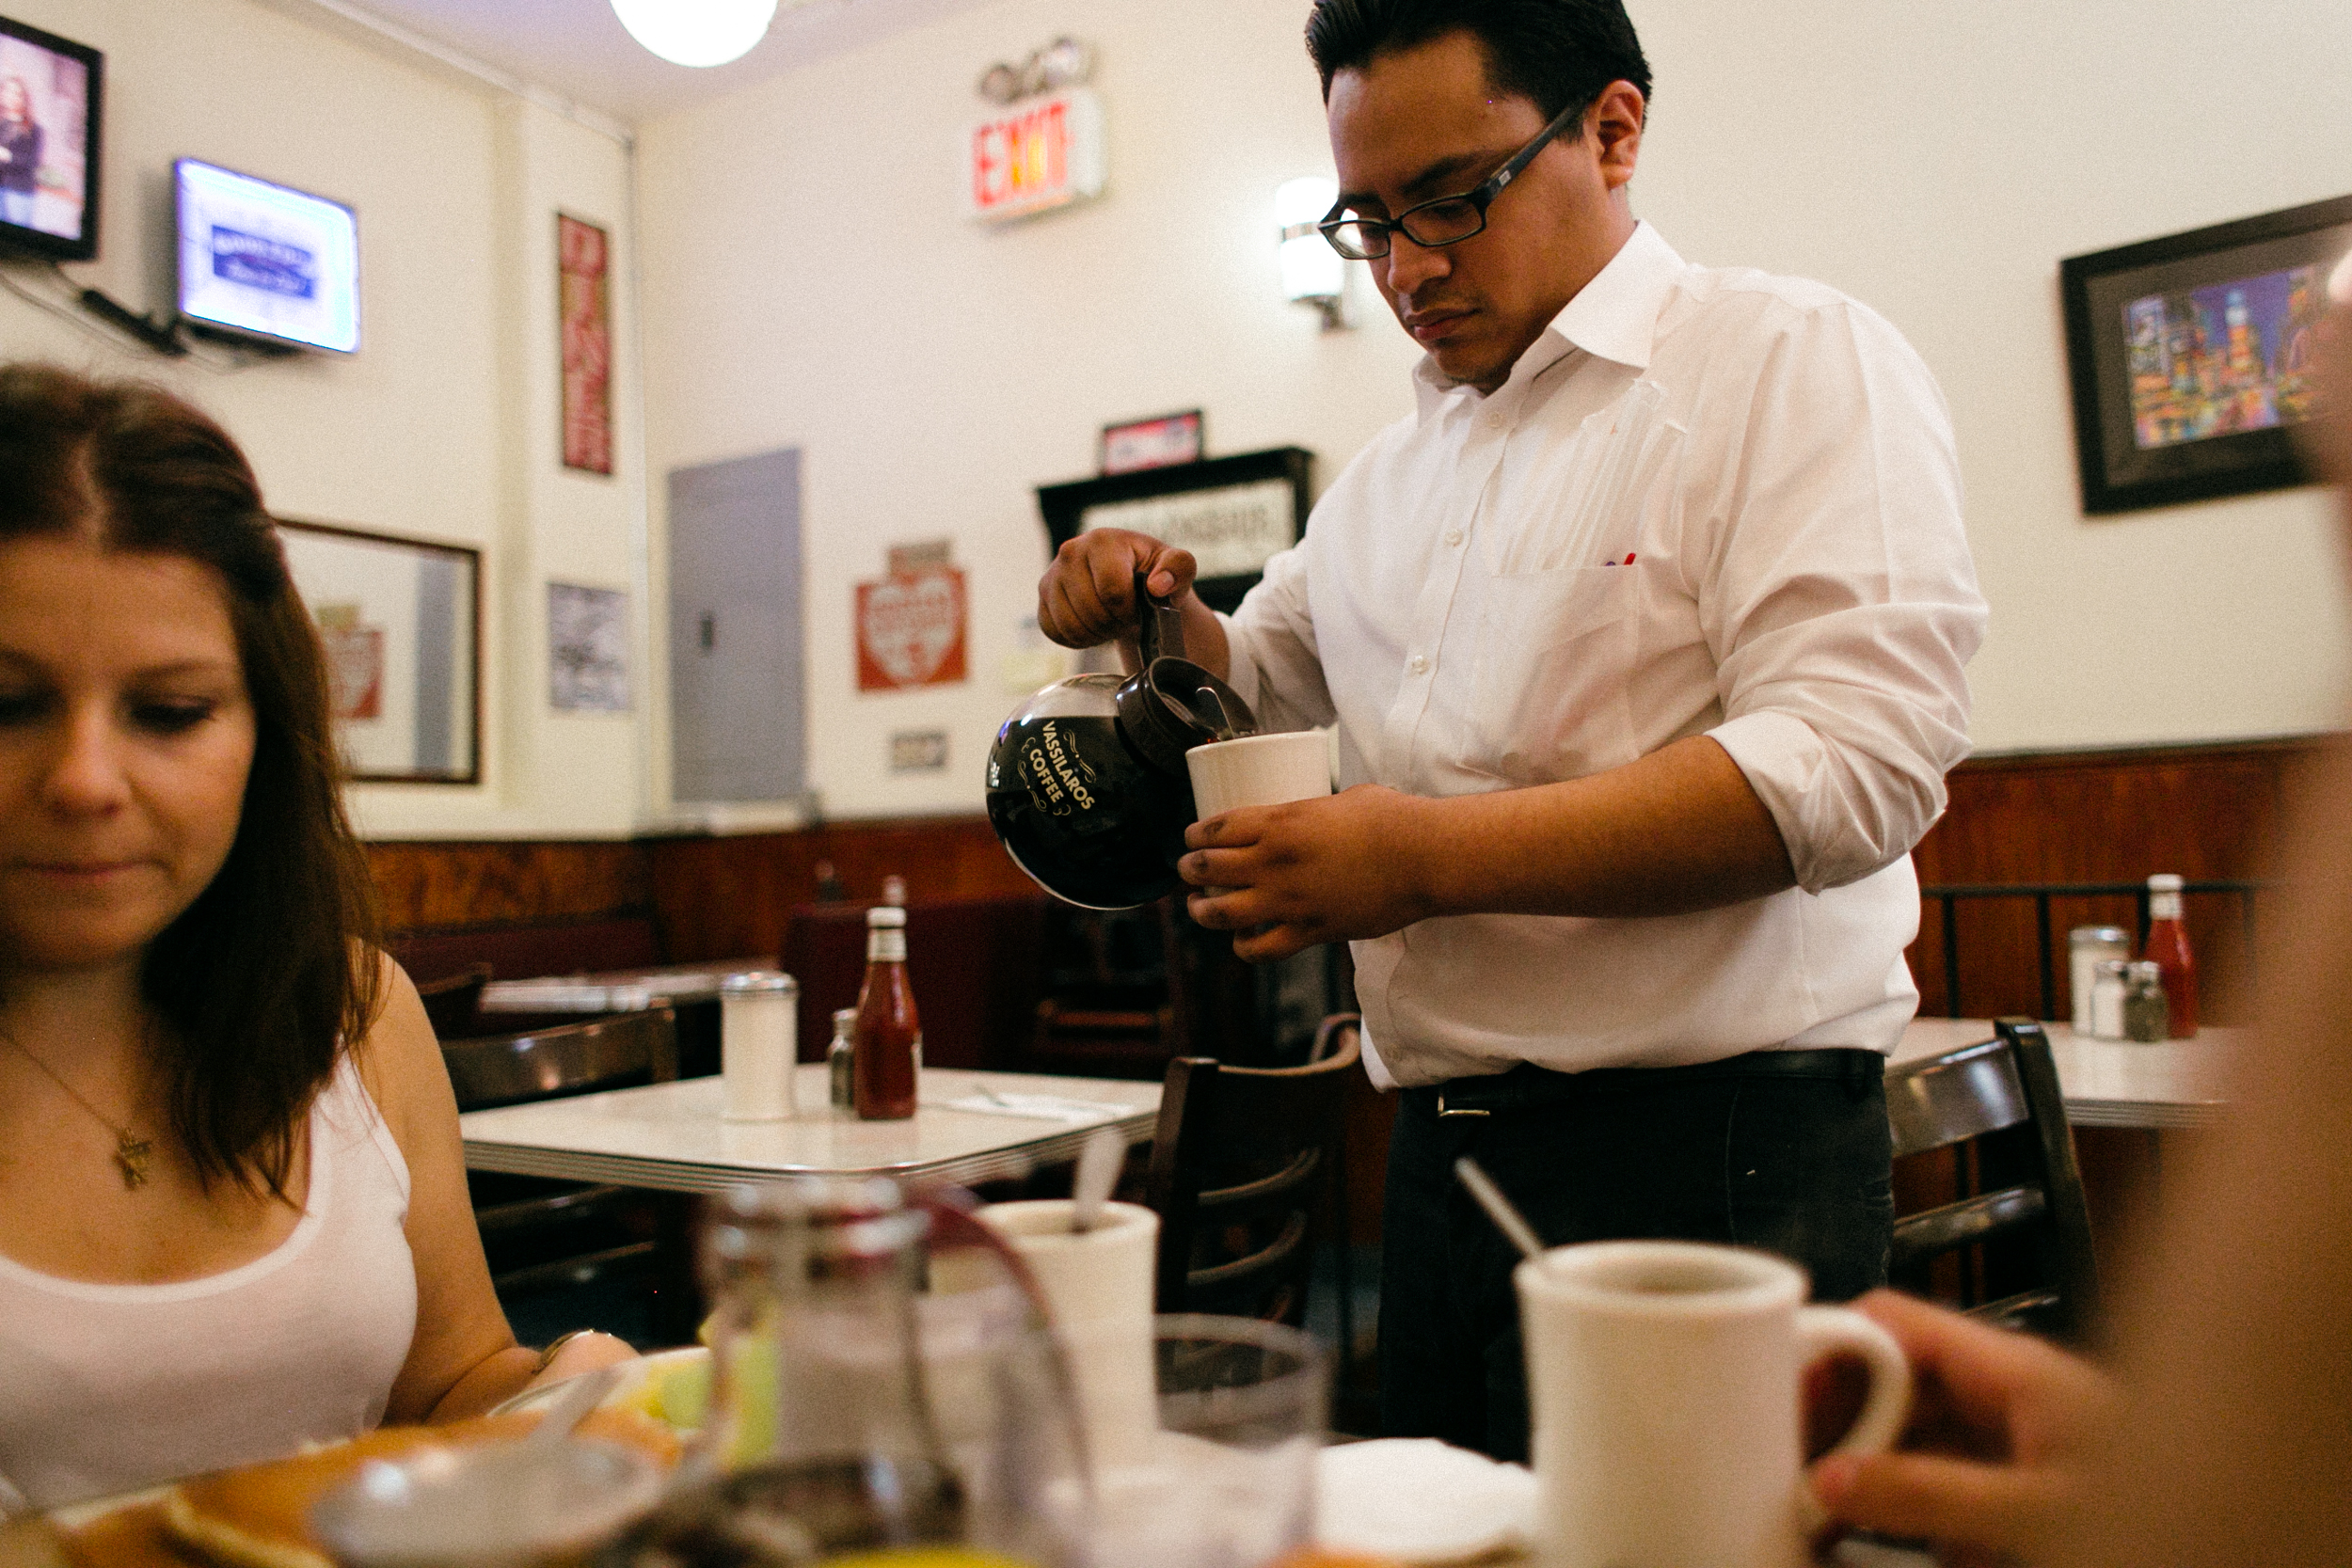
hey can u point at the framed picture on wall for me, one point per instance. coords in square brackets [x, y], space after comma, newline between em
[2189, 356]
[1232, 513]
[401, 625]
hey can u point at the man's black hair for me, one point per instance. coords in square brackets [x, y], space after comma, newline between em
[1554, 52]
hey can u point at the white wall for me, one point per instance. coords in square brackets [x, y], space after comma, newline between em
[1937, 161]
[810, 282]
[443, 426]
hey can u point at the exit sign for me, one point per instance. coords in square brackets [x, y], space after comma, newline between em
[1035, 155]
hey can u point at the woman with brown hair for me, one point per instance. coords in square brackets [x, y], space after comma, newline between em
[233, 1201]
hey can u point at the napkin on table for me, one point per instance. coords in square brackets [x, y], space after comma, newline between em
[1422, 1501]
[1040, 1107]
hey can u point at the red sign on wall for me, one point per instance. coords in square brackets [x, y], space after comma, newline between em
[911, 629]
[1035, 155]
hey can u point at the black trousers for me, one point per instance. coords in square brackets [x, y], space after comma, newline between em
[1790, 1154]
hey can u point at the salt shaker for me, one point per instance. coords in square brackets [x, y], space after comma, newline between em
[759, 1044]
[2086, 947]
[2106, 999]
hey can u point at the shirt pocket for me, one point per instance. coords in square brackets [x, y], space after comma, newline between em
[1549, 673]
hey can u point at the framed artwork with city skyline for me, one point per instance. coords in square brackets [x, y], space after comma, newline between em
[2189, 356]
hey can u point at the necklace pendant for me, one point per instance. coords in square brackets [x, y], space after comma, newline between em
[132, 1155]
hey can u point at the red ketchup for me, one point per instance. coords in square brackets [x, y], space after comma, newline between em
[2168, 949]
[887, 1042]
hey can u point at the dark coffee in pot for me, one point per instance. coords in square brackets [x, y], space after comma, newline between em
[1080, 814]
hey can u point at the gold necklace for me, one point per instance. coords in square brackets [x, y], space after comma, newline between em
[132, 1152]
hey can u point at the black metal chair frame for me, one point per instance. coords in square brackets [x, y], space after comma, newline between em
[2000, 1096]
[1951, 896]
[1207, 1110]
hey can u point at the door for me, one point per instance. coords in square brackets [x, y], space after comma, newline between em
[736, 667]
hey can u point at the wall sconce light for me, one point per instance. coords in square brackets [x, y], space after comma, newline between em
[696, 32]
[1312, 273]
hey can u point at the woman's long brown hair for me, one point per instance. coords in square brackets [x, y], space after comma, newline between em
[273, 971]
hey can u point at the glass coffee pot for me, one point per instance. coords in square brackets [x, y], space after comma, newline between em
[1087, 783]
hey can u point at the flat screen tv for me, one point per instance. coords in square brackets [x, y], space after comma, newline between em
[265, 261]
[50, 108]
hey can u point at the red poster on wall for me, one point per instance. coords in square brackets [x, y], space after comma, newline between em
[911, 627]
[582, 261]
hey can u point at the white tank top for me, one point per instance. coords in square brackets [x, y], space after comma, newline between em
[105, 1389]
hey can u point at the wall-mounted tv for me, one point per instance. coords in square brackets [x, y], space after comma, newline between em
[50, 102]
[266, 261]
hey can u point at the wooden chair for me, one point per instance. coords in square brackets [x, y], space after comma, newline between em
[1239, 1161]
[2020, 1226]
[543, 1235]
[609, 1052]
[453, 1004]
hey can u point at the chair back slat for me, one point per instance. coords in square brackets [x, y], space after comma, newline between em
[1960, 1095]
[1964, 1223]
[1266, 1190]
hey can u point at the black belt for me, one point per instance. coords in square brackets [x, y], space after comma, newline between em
[1527, 1085]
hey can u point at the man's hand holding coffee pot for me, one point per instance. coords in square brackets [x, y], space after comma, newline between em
[1087, 596]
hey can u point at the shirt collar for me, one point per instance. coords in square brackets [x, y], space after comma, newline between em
[1613, 317]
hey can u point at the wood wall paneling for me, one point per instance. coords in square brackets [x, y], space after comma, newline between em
[727, 898]
[446, 885]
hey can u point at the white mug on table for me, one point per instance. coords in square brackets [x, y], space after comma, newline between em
[1098, 1287]
[1664, 1379]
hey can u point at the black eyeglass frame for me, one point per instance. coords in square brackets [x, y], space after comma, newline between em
[1480, 198]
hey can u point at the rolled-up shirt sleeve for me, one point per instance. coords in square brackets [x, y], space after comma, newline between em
[1270, 641]
[1839, 598]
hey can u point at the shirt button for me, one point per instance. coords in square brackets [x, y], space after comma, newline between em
[1454, 536]
[1417, 664]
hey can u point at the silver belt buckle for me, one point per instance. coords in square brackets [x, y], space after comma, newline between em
[1444, 1110]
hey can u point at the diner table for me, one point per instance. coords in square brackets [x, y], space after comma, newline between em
[968, 1127]
[2159, 1084]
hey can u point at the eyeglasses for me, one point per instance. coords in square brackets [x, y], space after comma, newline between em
[1447, 220]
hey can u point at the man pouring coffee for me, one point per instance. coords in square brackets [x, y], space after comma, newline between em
[1642, 637]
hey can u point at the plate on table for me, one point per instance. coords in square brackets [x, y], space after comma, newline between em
[670, 1385]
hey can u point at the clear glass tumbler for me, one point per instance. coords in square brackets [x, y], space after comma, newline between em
[1229, 1479]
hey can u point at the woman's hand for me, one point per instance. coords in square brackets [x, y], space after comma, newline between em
[1991, 1464]
[584, 1352]
[1288, 877]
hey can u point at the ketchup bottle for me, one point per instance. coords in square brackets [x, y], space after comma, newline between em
[2168, 949]
[887, 1042]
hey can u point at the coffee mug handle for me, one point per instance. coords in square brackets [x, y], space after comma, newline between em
[1838, 1330]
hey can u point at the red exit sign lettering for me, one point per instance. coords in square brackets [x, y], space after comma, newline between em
[1035, 155]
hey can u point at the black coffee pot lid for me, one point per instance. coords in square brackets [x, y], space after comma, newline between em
[1170, 704]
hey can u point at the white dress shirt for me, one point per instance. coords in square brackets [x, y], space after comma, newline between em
[1707, 501]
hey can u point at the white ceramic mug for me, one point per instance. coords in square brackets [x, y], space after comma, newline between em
[1260, 770]
[1664, 1379]
[1098, 1286]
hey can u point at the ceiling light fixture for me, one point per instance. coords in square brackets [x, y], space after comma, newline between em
[696, 32]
